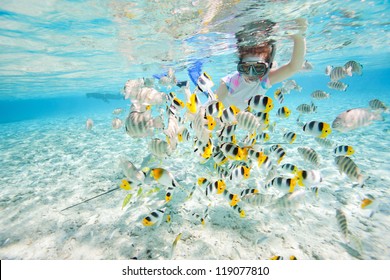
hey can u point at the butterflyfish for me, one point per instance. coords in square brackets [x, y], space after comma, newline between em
[317, 129]
[154, 218]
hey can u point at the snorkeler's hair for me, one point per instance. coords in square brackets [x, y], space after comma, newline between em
[254, 39]
[266, 50]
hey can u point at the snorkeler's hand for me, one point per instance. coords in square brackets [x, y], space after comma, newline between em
[301, 25]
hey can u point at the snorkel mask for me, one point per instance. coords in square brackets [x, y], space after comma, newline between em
[254, 67]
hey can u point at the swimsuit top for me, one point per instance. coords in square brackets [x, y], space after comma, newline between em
[240, 91]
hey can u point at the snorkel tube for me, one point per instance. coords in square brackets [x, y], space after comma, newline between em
[272, 55]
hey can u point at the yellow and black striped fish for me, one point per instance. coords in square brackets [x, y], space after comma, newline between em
[227, 130]
[308, 177]
[283, 112]
[280, 153]
[263, 137]
[233, 199]
[216, 187]
[215, 109]
[279, 95]
[183, 135]
[219, 157]
[317, 129]
[290, 137]
[239, 173]
[290, 168]
[229, 114]
[203, 182]
[260, 103]
[248, 192]
[263, 118]
[239, 210]
[154, 218]
[232, 151]
[222, 172]
[282, 183]
[165, 178]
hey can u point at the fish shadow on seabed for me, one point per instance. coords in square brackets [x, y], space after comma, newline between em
[354, 253]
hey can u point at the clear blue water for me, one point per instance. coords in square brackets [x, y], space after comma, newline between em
[54, 54]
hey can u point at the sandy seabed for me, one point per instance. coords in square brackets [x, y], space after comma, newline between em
[50, 164]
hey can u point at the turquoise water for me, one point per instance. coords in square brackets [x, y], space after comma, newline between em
[54, 54]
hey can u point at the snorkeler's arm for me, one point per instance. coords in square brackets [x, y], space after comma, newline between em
[295, 64]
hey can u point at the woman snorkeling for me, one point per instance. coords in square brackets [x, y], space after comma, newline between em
[255, 73]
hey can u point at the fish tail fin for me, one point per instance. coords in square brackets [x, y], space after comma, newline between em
[379, 117]
[348, 71]
[158, 122]
[328, 69]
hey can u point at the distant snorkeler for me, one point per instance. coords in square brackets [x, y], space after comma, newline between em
[104, 96]
[254, 73]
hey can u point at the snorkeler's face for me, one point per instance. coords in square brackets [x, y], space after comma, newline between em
[253, 67]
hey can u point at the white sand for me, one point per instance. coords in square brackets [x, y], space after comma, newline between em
[50, 164]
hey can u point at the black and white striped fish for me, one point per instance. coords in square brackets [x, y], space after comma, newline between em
[356, 67]
[258, 199]
[139, 124]
[307, 108]
[160, 148]
[319, 94]
[347, 166]
[290, 200]
[337, 85]
[325, 142]
[309, 155]
[263, 137]
[342, 222]
[247, 121]
[376, 104]
[339, 72]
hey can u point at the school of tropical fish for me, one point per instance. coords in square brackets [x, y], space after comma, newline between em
[234, 146]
